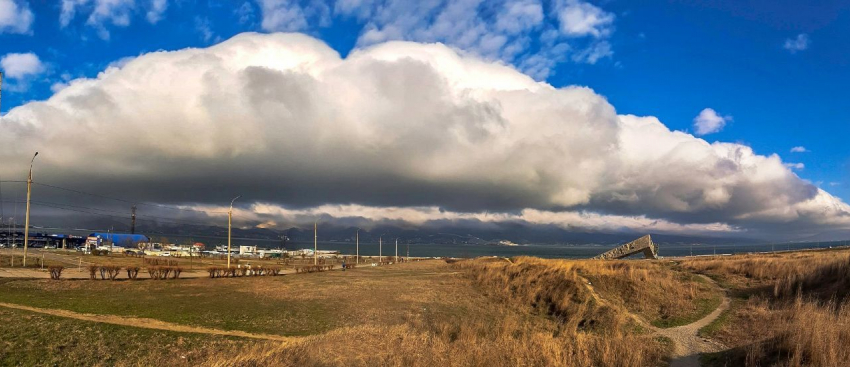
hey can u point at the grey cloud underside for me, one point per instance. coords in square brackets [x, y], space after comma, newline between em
[282, 119]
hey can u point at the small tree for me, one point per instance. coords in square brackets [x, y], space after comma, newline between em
[55, 271]
[93, 271]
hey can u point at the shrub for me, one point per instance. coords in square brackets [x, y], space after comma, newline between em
[154, 272]
[55, 271]
[164, 272]
[160, 262]
[132, 272]
[93, 271]
[111, 271]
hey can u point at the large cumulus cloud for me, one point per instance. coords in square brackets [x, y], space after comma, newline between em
[283, 120]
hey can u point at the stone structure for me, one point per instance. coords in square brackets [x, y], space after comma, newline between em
[643, 244]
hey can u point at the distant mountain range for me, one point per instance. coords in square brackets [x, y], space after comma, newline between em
[519, 234]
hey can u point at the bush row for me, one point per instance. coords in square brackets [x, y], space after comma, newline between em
[224, 272]
[111, 272]
[155, 262]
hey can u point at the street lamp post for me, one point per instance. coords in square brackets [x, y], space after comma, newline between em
[396, 250]
[380, 250]
[229, 225]
[27, 224]
[315, 243]
[357, 241]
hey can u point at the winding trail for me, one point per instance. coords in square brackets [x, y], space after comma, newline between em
[687, 344]
[147, 323]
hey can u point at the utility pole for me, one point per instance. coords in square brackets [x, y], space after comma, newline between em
[357, 241]
[315, 243]
[408, 252]
[229, 226]
[133, 218]
[27, 221]
[380, 250]
[396, 250]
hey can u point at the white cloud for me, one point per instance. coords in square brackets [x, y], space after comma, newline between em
[517, 32]
[245, 13]
[795, 166]
[597, 51]
[579, 18]
[708, 122]
[15, 16]
[21, 65]
[204, 28]
[392, 127]
[800, 43]
[105, 13]
[292, 15]
[370, 216]
[156, 10]
[519, 16]
[799, 149]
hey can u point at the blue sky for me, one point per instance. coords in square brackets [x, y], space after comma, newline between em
[774, 72]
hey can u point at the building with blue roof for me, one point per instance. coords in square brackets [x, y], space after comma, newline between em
[118, 239]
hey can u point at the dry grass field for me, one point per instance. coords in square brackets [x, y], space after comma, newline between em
[790, 309]
[415, 314]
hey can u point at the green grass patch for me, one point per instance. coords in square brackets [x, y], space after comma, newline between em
[709, 330]
[32, 339]
[291, 305]
[704, 306]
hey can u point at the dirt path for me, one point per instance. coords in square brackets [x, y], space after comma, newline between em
[688, 345]
[147, 323]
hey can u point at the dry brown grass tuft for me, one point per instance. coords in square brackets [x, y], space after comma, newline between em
[477, 342]
[663, 296]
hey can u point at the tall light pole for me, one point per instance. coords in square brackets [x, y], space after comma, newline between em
[396, 249]
[357, 241]
[315, 243]
[27, 224]
[229, 224]
[380, 250]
